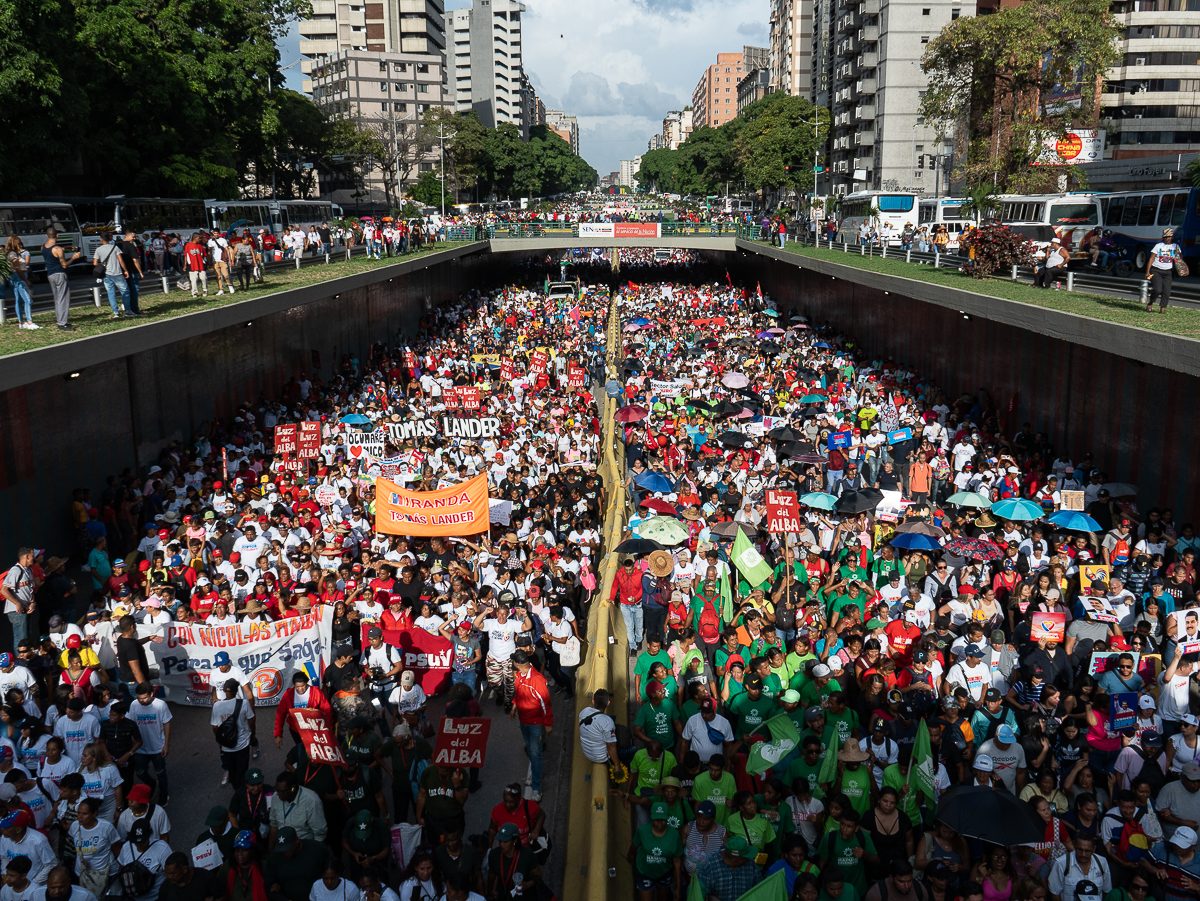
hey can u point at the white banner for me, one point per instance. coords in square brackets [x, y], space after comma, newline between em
[266, 653]
[595, 229]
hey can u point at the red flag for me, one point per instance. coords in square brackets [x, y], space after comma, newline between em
[728, 279]
[633, 287]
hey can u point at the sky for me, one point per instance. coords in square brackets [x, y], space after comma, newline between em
[619, 65]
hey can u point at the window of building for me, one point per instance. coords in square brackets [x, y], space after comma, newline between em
[383, 86]
[955, 13]
[422, 89]
[357, 28]
[422, 68]
[925, 11]
[402, 107]
[400, 67]
[924, 39]
[383, 65]
[385, 106]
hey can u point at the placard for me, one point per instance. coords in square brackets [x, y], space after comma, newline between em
[461, 509]
[1071, 500]
[506, 370]
[319, 743]
[1097, 573]
[446, 426]
[368, 443]
[1103, 661]
[207, 855]
[539, 361]
[409, 360]
[1187, 630]
[899, 435]
[462, 741]
[325, 495]
[468, 397]
[285, 438]
[839, 439]
[576, 377]
[783, 511]
[1048, 625]
[309, 441]
[1122, 710]
[450, 397]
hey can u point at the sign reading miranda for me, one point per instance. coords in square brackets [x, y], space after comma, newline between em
[445, 426]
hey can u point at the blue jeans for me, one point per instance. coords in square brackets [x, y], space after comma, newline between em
[634, 617]
[142, 766]
[112, 284]
[534, 738]
[20, 627]
[21, 291]
[786, 636]
[467, 678]
[131, 302]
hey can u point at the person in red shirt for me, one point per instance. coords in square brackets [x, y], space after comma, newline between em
[119, 577]
[195, 257]
[203, 600]
[527, 816]
[902, 633]
[532, 707]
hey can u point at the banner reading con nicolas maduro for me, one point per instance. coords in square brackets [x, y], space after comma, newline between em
[265, 655]
[458, 510]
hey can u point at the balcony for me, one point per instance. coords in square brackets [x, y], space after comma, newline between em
[868, 34]
[867, 86]
[865, 112]
[866, 136]
[864, 162]
[847, 23]
[868, 59]
[847, 46]
[869, 8]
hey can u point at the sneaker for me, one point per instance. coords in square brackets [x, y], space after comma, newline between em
[256, 752]
[66, 328]
[116, 316]
[224, 778]
[633, 652]
[231, 289]
[535, 795]
[23, 325]
[33, 326]
[205, 294]
[194, 294]
[222, 291]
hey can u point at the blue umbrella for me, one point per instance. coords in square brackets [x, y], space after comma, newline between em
[653, 481]
[641, 320]
[355, 419]
[774, 314]
[1017, 509]
[915, 541]
[1076, 521]
[822, 344]
[819, 500]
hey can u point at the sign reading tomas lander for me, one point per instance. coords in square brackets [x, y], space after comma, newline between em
[446, 426]
[458, 510]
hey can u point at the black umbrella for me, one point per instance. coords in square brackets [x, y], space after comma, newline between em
[633, 365]
[783, 433]
[791, 449]
[993, 816]
[725, 408]
[746, 392]
[738, 342]
[695, 352]
[770, 348]
[729, 529]
[859, 500]
[735, 439]
[698, 404]
[638, 546]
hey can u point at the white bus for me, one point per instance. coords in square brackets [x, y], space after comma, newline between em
[1070, 215]
[947, 211]
[274, 215]
[888, 212]
[1137, 220]
[145, 215]
[29, 221]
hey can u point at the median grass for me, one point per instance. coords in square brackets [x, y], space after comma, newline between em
[1122, 310]
[90, 320]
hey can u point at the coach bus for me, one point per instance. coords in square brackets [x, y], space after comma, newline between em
[1071, 215]
[1137, 220]
[29, 221]
[889, 212]
[947, 211]
[144, 215]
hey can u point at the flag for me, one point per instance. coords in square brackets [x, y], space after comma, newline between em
[633, 287]
[758, 288]
[773, 888]
[726, 599]
[728, 279]
[575, 314]
[766, 754]
[749, 561]
[828, 772]
[923, 769]
[696, 889]
[546, 287]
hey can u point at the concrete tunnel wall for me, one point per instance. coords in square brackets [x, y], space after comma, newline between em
[60, 433]
[1134, 418]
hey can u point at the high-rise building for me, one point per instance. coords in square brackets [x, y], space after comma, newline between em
[656, 142]
[629, 171]
[755, 85]
[676, 127]
[879, 141]
[488, 68]
[392, 26]
[714, 101]
[566, 127]
[790, 57]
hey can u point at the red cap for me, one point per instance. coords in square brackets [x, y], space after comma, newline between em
[217, 552]
[139, 794]
[235, 557]
[218, 485]
[164, 534]
[74, 641]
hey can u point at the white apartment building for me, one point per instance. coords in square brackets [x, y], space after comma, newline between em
[629, 169]
[566, 127]
[485, 45]
[790, 49]
[676, 127]
[391, 26]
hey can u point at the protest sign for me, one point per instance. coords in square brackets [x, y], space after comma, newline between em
[370, 444]
[409, 360]
[1048, 625]
[450, 397]
[1104, 661]
[309, 441]
[462, 741]
[1122, 710]
[499, 511]
[268, 654]
[326, 495]
[447, 426]
[783, 511]
[1072, 500]
[285, 438]
[839, 439]
[1187, 630]
[318, 740]
[576, 376]
[207, 856]
[460, 509]
[506, 370]
[468, 397]
[538, 361]
[1097, 573]
[899, 435]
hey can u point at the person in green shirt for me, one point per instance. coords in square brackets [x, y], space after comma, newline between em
[733, 683]
[896, 776]
[885, 565]
[752, 707]
[808, 766]
[662, 675]
[816, 692]
[717, 786]
[363, 744]
[773, 671]
[696, 692]
[646, 772]
[658, 718]
[367, 839]
[853, 778]
[641, 670]
[771, 807]
[746, 821]
[656, 855]
[834, 887]
[842, 718]
[850, 850]
[853, 597]
[679, 812]
[815, 725]
[794, 662]
[729, 648]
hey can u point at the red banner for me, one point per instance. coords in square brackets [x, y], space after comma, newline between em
[450, 397]
[309, 442]
[462, 741]
[285, 439]
[409, 359]
[576, 377]
[468, 396]
[1048, 625]
[783, 511]
[506, 370]
[428, 656]
[539, 361]
[635, 229]
[319, 743]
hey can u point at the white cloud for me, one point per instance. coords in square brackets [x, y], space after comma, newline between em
[619, 65]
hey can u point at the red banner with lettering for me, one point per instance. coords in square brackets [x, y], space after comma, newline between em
[428, 656]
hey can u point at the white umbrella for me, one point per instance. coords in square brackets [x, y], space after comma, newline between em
[734, 380]
[1121, 489]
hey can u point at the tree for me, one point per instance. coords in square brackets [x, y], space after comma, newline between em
[428, 190]
[776, 141]
[1005, 83]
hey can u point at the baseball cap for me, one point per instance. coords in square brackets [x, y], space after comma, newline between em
[1190, 719]
[508, 832]
[254, 776]
[739, 847]
[821, 671]
[375, 632]
[245, 839]
[218, 815]
[754, 682]
[1086, 890]
[1145, 702]
[1184, 837]
[813, 713]
[140, 794]
[1005, 734]
[709, 809]
[658, 810]
[972, 650]
[221, 659]
[993, 695]
[791, 696]
[1191, 770]
[287, 835]
[984, 762]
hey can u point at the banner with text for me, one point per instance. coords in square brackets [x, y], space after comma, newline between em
[458, 510]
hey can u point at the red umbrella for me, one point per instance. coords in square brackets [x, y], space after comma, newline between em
[659, 506]
[631, 413]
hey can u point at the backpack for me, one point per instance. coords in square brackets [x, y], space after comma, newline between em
[133, 880]
[709, 626]
[418, 766]
[919, 890]
[227, 732]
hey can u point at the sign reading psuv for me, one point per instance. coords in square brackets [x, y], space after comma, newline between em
[462, 741]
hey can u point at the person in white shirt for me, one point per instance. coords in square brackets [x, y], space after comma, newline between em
[970, 674]
[22, 840]
[332, 886]
[235, 757]
[707, 733]
[1160, 271]
[597, 730]
[219, 249]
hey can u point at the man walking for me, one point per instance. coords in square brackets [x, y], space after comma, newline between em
[56, 272]
[18, 590]
[108, 255]
[535, 714]
[133, 271]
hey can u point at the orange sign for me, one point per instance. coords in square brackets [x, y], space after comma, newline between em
[458, 510]
[1069, 147]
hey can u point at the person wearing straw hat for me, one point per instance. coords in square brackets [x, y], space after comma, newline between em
[656, 591]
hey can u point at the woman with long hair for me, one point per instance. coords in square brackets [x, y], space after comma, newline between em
[421, 880]
[995, 873]
[18, 280]
[101, 779]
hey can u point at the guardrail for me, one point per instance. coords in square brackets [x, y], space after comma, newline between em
[670, 229]
[1084, 278]
[599, 830]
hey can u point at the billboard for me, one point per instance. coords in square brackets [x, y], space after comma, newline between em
[1078, 145]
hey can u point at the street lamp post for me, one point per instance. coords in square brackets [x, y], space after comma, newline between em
[442, 162]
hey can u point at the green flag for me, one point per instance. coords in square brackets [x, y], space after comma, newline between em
[696, 889]
[828, 772]
[749, 561]
[923, 769]
[726, 599]
[773, 888]
[766, 754]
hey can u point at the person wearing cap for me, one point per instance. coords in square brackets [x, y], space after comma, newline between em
[970, 674]
[729, 873]
[300, 695]
[508, 862]
[294, 865]
[381, 665]
[657, 856]
[141, 807]
[367, 840]
[527, 816]
[658, 719]
[990, 716]
[707, 733]
[151, 852]
[1083, 864]
[235, 755]
[218, 828]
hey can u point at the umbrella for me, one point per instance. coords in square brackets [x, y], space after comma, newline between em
[746, 413]
[783, 433]
[698, 404]
[638, 546]
[738, 342]
[993, 816]
[750, 396]
[798, 318]
[1017, 508]
[774, 314]
[633, 365]
[974, 549]
[730, 529]
[654, 482]
[776, 331]
[822, 344]
[1075, 521]
[770, 348]
[813, 399]
[968, 499]
[695, 352]
[631, 328]
[818, 500]
[734, 380]
[355, 419]
[763, 335]
[859, 500]
[631, 413]
[791, 449]
[735, 439]
[1121, 489]
[915, 541]
[725, 408]
[921, 528]
[664, 530]
[641, 320]
[659, 506]
[811, 458]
